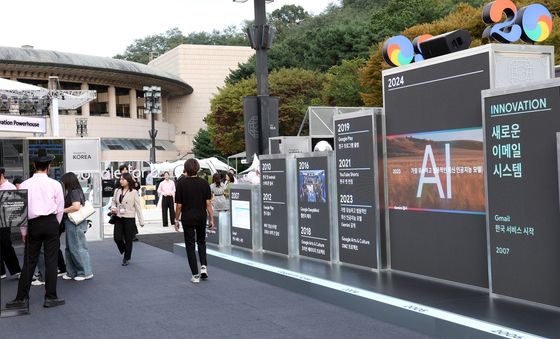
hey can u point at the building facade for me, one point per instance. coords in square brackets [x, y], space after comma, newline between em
[205, 68]
[189, 76]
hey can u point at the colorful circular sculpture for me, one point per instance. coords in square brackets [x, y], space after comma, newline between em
[398, 51]
[536, 23]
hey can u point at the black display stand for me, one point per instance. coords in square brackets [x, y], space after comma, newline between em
[13, 214]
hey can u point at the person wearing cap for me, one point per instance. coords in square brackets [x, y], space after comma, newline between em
[44, 213]
[17, 182]
[8, 255]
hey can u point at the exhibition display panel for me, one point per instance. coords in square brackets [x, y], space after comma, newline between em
[520, 128]
[434, 157]
[316, 206]
[245, 216]
[359, 231]
[278, 204]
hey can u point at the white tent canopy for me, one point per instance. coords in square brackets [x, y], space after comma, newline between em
[10, 85]
[18, 89]
[176, 168]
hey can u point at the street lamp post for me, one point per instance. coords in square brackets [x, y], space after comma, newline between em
[261, 112]
[152, 105]
[81, 127]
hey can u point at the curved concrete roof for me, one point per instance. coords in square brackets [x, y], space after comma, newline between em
[55, 62]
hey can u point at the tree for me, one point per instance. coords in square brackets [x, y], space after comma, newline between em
[285, 18]
[230, 36]
[202, 145]
[342, 86]
[296, 88]
[141, 50]
[243, 71]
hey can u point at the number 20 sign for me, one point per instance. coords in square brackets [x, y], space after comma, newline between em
[531, 24]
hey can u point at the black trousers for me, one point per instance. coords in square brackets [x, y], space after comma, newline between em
[167, 203]
[123, 234]
[190, 232]
[8, 254]
[41, 231]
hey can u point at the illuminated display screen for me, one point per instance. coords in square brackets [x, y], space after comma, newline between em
[312, 187]
[439, 171]
[240, 217]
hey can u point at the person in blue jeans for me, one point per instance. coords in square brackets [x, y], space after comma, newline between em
[78, 263]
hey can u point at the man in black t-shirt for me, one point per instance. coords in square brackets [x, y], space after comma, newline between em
[194, 204]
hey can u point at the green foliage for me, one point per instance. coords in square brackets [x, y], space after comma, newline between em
[296, 88]
[243, 71]
[140, 50]
[286, 17]
[202, 145]
[230, 36]
[342, 86]
[347, 32]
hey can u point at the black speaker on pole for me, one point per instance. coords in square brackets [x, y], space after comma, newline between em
[446, 43]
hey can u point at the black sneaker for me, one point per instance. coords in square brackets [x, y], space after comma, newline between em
[18, 303]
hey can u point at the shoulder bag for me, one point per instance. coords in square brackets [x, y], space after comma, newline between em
[80, 215]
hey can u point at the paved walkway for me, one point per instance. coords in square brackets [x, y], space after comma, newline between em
[153, 298]
[152, 220]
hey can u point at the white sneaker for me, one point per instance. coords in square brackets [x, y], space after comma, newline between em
[3, 276]
[195, 279]
[60, 274]
[67, 277]
[37, 282]
[84, 277]
[203, 272]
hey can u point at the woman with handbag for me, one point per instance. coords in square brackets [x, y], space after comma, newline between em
[78, 263]
[125, 206]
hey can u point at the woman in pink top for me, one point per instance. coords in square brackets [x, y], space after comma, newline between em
[166, 192]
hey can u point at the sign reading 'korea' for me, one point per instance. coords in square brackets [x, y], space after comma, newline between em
[82, 155]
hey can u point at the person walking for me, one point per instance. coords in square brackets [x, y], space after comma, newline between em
[193, 206]
[44, 211]
[78, 264]
[8, 257]
[122, 170]
[125, 206]
[166, 190]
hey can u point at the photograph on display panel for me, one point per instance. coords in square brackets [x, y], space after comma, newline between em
[311, 186]
[439, 171]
